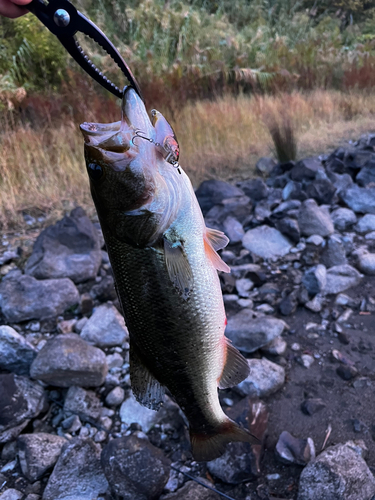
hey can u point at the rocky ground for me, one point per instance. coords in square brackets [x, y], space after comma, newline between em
[300, 302]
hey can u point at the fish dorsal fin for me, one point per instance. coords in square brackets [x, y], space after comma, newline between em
[178, 267]
[214, 257]
[236, 368]
[145, 387]
[217, 238]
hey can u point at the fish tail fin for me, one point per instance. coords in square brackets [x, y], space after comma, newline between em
[209, 445]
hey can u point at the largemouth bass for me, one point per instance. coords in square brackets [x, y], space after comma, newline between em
[165, 264]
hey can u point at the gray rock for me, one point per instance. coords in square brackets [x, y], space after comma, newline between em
[289, 303]
[276, 347]
[289, 227]
[293, 191]
[103, 291]
[315, 239]
[114, 360]
[366, 224]
[315, 279]
[334, 252]
[249, 334]
[264, 379]
[212, 192]
[338, 473]
[340, 278]
[85, 404]
[255, 189]
[244, 286]
[265, 165]
[311, 406]
[266, 242]
[16, 354]
[105, 328]
[321, 190]
[38, 452]
[359, 199]
[68, 360]
[115, 397]
[291, 450]
[366, 263]
[366, 176]
[135, 469]
[23, 297]
[78, 474]
[133, 412]
[235, 465]
[11, 494]
[314, 220]
[68, 249]
[192, 491]
[21, 400]
[305, 170]
[343, 218]
[233, 229]
[315, 304]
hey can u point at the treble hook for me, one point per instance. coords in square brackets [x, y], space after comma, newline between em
[167, 155]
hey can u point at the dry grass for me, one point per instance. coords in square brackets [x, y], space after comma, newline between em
[43, 170]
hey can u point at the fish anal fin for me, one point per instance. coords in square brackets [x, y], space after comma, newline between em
[178, 267]
[214, 257]
[217, 238]
[146, 389]
[210, 445]
[236, 368]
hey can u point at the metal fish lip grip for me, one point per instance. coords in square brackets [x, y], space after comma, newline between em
[64, 21]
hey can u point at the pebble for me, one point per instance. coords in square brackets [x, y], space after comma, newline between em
[11, 494]
[291, 450]
[115, 397]
[265, 378]
[105, 328]
[306, 360]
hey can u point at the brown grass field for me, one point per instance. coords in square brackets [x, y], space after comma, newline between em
[42, 168]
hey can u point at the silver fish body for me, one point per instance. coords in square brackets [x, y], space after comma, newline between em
[165, 265]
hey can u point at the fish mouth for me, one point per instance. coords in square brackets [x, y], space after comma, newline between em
[118, 136]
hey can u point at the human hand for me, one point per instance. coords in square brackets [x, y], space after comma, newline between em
[13, 8]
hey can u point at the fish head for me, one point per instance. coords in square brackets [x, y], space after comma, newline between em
[127, 163]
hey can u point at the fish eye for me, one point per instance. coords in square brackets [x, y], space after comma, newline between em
[95, 171]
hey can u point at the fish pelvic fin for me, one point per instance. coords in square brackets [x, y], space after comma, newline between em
[236, 367]
[178, 267]
[146, 389]
[210, 445]
[210, 246]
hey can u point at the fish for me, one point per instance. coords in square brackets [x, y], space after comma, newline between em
[165, 262]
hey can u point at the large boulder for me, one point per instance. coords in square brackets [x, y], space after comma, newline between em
[23, 297]
[68, 249]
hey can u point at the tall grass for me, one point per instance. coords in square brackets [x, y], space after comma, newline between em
[42, 167]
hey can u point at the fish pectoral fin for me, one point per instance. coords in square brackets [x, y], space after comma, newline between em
[178, 267]
[217, 238]
[214, 257]
[236, 368]
[146, 389]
